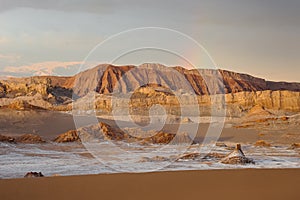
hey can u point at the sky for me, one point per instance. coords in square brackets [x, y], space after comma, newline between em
[258, 37]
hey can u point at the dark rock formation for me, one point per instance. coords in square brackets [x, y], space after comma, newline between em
[33, 175]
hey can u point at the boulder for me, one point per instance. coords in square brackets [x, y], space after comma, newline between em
[33, 175]
[237, 157]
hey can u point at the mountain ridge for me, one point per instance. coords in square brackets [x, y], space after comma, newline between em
[106, 79]
[198, 78]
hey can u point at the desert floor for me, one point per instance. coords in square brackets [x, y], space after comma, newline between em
[213, 184]
[50, 124]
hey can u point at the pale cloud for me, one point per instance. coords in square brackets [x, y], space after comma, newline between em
[64, 5]
[9, 57]
[42, 69]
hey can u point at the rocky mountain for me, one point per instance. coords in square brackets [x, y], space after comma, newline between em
[148, 80]
[105, 79]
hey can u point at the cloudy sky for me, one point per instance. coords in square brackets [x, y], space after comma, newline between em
[259, 37]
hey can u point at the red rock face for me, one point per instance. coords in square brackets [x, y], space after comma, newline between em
[106, 78]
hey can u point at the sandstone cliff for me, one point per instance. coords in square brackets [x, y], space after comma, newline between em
[236, 104]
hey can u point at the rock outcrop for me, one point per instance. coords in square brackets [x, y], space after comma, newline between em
[25, 139]
[19, 104]
[237, 157]
[70, 136]
[110, 133]
[258, 111]
[55, 90]
[262, 143]
[29, 139]
[103, 131]
[8, 139]
[294, 146]
[160, 138]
